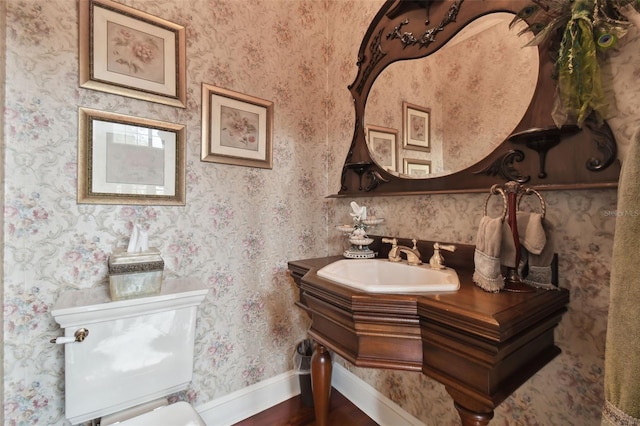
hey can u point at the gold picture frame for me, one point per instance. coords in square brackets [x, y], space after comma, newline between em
[416, 168]
[416, 127]
[128, 52]
[130, 160]
[383, 144]
[237, 129]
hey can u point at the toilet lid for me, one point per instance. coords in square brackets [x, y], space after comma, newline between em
[178, 414]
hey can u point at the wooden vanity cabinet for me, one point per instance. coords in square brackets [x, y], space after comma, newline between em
[481, 346]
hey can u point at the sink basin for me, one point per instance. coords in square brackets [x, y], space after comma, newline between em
[383, 276]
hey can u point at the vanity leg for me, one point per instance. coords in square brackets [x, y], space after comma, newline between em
[472, 418]
[321, 383]
[472, 413]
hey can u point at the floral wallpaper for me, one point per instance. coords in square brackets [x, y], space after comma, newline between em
[238, 229]
[241, 225]
[570, 389]
[567, 391]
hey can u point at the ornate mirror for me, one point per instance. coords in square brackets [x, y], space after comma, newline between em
[432, 117]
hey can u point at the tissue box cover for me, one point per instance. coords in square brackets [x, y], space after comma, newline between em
[135, 274]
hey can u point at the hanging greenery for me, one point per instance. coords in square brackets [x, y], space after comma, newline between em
[586, 29]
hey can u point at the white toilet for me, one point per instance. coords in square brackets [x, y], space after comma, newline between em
[132, 354]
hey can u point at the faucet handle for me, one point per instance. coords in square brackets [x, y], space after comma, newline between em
[393, 253]
[437, 261]
[415, 247]
[447, 247]
[392, 241]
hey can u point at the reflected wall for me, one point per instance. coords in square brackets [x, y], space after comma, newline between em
[477, 88]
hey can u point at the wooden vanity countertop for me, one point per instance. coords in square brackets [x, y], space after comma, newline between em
[495, 316]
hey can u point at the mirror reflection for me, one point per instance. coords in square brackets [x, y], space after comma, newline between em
[440, 114]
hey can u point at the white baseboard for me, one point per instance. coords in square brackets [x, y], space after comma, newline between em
[373, 403]
[251, 400]
[237, 406]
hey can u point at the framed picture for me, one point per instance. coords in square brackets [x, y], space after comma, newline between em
[129, 160]
[236, 129]
[383, 144]
[417, 168]
[128, 52]
[417, 127]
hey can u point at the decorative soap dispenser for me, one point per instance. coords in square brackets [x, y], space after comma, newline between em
[357, 233]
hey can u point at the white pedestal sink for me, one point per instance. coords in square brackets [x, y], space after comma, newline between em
[383, 276]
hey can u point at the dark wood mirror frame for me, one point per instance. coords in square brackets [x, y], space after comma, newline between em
[537, 152]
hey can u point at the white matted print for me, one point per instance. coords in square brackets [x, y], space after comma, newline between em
[383, 144]
[417, 168]
[236, 128]
[416, 127]
[128, 160]
[131, 53]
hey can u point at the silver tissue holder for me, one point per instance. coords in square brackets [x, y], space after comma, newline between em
[135, 274]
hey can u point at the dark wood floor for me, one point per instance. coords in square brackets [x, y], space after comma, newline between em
[294, 413]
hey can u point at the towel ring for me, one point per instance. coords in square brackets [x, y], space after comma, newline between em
[529, 191]
[495, 189]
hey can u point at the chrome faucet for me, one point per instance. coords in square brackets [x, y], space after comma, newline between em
[413, 254]
[437, 261]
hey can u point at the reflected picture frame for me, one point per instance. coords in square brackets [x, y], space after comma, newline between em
[416, 168]
[416, 123]
[383, 145]
[129, 160]
[127, 52]
[237, 129]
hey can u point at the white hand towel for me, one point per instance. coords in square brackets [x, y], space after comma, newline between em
[531, 236]
[540, 273]
[486, 257]
[508, 247]
[530, 231]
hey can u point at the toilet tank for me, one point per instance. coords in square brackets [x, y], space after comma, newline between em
[136, 350]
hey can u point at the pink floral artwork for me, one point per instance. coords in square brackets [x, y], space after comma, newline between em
[417, 128]
[238, 129]
[135, 53]
[380, 147]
